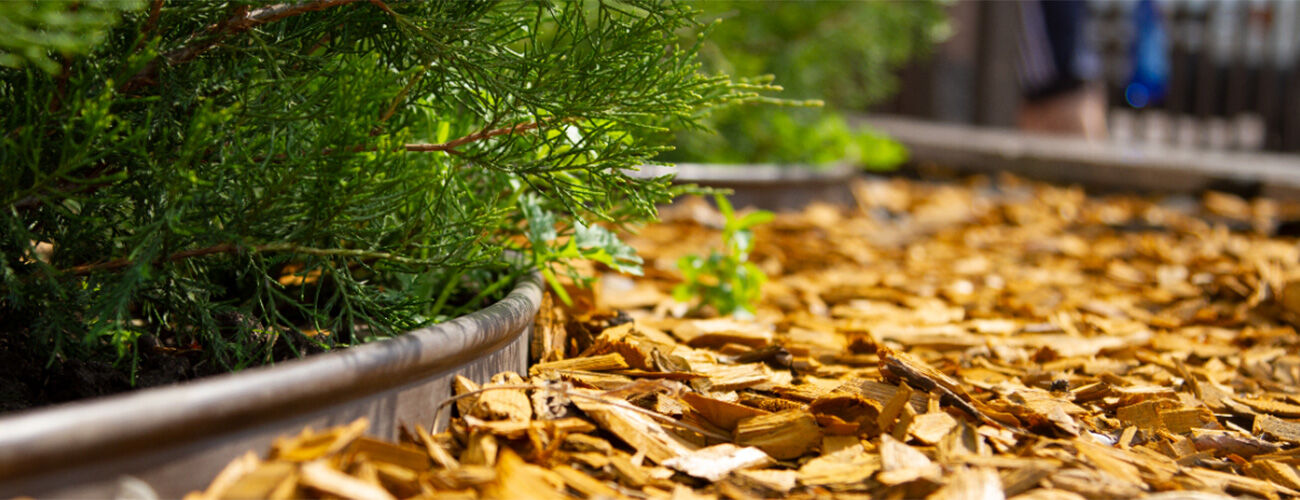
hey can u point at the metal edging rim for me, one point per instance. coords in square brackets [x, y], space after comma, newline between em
[73, 433]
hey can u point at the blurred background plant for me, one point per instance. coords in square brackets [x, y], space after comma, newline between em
[220, 183]
[842, 54]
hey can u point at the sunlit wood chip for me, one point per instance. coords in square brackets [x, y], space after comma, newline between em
[320, 476]
[309, 445]
[268, 480]
[901, 463]
[518, 479]
[849, 465]
[715, 462]
[604, 362]
[783, 435]
[1277, 428]
[777, 481]
[505, 402]
[636, 429]
[932, 427]
[970, 484]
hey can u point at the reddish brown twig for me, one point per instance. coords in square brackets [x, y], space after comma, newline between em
[120, 263]
[264, 248]
[450, 146]
[62, 89]
[242, 21]
[155, 9]
[383, 6]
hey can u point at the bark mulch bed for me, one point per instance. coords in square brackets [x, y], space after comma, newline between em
[978, 340]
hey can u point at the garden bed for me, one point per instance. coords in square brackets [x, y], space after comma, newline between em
[988, 339]
[175, 437]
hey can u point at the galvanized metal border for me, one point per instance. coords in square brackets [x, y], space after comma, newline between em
[177, 438]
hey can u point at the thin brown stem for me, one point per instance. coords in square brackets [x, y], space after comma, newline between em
[62, 89]
[155, 9]
[27, 202]
[243, 20]
[222, 248]
[450, 146]
[121, 263]
[401, 95]
[383, 6]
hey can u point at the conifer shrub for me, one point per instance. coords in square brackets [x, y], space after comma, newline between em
[235, 181]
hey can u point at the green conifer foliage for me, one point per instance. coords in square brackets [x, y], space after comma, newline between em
[216, 175]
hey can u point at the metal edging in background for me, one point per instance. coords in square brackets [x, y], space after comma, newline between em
[1097, 165]
[176, 438]
[767, 186]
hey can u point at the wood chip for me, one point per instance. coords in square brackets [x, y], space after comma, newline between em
[723, 414]
[636, 429]
[503, 404]
[932, 427]
[321, 476]
[783, 435]
[1277, 428]
[901, 463]
[715, 462]
[847, 466]
[601, 363]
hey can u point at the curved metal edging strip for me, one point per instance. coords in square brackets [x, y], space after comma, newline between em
[64, 437]
[766, 186]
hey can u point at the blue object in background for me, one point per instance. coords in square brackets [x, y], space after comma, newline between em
[1150, 77]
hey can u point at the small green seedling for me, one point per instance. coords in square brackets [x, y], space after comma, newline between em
[728, 281]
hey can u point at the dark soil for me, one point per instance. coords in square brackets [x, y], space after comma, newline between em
[28, 382]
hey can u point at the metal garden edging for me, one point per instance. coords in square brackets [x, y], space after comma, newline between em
[176, 438]
[1095, 165]
[767, 186]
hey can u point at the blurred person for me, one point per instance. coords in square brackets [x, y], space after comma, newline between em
[1059, 72]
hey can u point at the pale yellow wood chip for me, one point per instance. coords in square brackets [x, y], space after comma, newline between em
[481, 449]
[319, 475]
[901, 463]
[503, 404]
[638, 430]
[715, 462]
[600, 363]
[309, 445]
[1275, 408]
[970, 484]
[932, 427]
[893, 408]
[402, 455]
[850, 465]
[1276, 472]
[518, 479]
[777, 481]
[268, 480]
[435, 450]
[461, 385]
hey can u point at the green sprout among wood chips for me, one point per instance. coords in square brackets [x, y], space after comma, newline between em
[728, 281]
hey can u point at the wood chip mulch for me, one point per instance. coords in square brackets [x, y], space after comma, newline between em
[977, 340]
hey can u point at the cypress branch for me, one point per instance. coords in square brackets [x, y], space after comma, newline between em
[180, 158]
